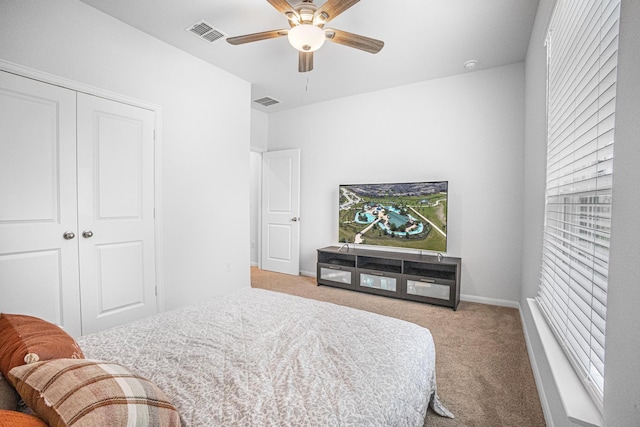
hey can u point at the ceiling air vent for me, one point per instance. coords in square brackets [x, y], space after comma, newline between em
[205, 31]
[266, 101]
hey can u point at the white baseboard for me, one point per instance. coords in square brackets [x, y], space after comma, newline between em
[308, 273]
[489, 301]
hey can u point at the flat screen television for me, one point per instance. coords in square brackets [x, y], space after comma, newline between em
[406, 215]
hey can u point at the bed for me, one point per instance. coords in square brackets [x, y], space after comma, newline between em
[261, 358]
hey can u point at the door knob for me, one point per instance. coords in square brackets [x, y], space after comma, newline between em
[87, 233]
[69, 235]
[295, 218]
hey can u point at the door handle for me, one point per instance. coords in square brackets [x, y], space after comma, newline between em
[69, 235]
[295, 219]
[87, 234]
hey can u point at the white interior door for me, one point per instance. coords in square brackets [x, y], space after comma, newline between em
[38, 266]
[115, 212]
[281, 211]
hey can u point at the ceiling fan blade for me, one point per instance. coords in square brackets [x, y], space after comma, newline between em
[305, 61]
[354, 40]
[248, 38]
[281, 6]
[333, 8]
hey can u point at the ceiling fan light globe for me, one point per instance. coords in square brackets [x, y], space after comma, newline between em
[306, 37]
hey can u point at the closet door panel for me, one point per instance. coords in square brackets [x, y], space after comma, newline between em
[116, 203]
[28, 271]
[118, 156]
[38, 201]
[121, 282]
[29, 162]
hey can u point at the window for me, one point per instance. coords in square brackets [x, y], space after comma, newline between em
[582, 48]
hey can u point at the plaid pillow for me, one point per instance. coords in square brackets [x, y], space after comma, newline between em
[64, 392]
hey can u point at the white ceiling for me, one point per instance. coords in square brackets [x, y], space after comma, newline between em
[424, 39]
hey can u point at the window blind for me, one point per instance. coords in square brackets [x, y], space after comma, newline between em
[581, 86]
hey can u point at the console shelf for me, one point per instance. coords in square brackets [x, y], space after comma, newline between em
[410, 276]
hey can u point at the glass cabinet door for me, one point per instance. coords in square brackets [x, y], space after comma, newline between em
[378, 282]
[335, 275]
[428, 289]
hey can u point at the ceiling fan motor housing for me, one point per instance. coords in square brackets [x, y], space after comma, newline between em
[307, 34]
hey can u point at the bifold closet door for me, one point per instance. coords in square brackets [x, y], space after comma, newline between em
[38, 202]
[115, 212]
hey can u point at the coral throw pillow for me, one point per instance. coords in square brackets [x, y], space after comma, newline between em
[18, 419]
[25, 339]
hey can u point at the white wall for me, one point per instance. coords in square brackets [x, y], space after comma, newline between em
[622, 364]
[534, 202]
[259, 131]
[205, 130]
[467, 129]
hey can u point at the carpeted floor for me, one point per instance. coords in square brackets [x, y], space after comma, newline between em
[482, 366]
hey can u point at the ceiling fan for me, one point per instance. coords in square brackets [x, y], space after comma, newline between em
[307, 32]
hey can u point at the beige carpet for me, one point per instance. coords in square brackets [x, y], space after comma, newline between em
[482, 367]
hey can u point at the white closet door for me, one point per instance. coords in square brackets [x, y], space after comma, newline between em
[38, 266]
[115, 212]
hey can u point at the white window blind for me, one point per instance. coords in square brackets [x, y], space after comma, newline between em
[582, 49]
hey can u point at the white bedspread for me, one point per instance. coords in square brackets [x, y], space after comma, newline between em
[262, 358]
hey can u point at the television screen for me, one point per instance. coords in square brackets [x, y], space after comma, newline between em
[407, 215]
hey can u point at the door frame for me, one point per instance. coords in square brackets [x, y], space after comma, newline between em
[257, 210]
[34, 74]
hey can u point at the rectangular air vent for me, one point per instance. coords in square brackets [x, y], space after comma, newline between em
[205, 31]
[266, 101]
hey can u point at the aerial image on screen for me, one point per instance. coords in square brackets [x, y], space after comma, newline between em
[407, 215]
